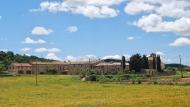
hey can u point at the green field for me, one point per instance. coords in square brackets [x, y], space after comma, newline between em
[69, 91]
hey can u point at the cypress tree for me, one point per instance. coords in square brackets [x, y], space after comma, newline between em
[123, 63]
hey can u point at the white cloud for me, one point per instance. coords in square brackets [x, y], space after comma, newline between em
[50, 50]
[168, 8]
[27, 54]
[157, 11]
[131, 38]
[28, 40]
[4, 50]
[160, 53]
[25, 49]
[53, 50]
[166, 60]
[40, 50]
[38, 30]
[93, 57]
[72, 29]
[53, 56]
[135, 7]
[81, 58]
[181, 42]
[112, 57]
[155, 23]
[116, 56]
[89, 8]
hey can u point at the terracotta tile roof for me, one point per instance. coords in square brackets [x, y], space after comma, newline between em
[108, 64]
[22, 64]
[64, 63]
[49, 63]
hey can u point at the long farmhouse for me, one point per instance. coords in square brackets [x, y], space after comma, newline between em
[74, 68]
[70, 68]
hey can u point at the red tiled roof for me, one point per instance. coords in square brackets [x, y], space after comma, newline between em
[22, 64]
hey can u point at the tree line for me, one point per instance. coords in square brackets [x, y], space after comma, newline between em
[138, 62]
[6, 58]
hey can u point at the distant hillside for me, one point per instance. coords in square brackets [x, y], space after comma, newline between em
[174, 65]
[112, 60]
[6, 58]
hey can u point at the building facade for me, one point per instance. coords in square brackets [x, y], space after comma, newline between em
[70, 68]
[20, 68]
[155, 63]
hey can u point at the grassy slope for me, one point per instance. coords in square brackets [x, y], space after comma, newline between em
[56, 91]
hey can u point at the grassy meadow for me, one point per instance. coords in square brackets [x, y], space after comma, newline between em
[69, 91]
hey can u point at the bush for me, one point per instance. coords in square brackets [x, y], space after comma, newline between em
[52, 71]
[125, 77]
[139, 81]
[133, 81]
[83, 74]
[155, 82]
[92, 77]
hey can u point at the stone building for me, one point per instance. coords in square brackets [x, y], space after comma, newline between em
[20, 68]
[153, 62]
[109, 67]
[43, 67]
[70, 68]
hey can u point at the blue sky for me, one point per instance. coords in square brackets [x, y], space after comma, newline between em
[79, 29]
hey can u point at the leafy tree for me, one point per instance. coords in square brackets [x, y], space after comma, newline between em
[52, 71]
[154, 60]
[6, 58]
[136, 62]
[145, 64]
[10, 55]
[2, 67]
[2, 55]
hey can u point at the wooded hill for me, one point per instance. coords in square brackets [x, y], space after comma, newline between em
[6, 58]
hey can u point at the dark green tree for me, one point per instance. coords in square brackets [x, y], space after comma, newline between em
[6, 58]
[123, 63]
[153, 55]
[159, 69]
[136, 63]
[145, 64]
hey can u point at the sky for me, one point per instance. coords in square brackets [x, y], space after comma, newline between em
[82, 29]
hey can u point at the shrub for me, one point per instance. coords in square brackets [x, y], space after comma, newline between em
[125, 77]
[133, 81]
[155, 82]
[83, 74]
[139, 81]
[52, 71]
[92, 77]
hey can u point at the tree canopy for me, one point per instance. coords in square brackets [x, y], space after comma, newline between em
[6, 58]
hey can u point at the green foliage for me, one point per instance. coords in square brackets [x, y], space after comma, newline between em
[159, 69]
[155, 82]
[91, 77]
[52, 71]
[2, 67]
[6, 58]
[145, 62]
[139, 81]
[136, 62]
[133, 81]
[123, 63]
[83, 73]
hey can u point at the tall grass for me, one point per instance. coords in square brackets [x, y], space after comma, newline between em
[69, 91]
